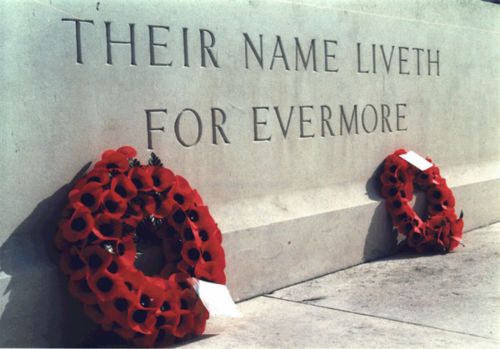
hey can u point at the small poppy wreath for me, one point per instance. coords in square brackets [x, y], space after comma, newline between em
[442, 230]
[118, 203]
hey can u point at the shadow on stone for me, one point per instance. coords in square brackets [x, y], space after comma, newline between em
[40, 311]
[381, 239]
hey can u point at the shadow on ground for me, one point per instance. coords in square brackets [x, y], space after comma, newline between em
[40, 312]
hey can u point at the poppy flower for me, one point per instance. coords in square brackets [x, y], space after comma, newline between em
[88, 196]
[107, 227]
[213, 252]
[207, 228]
[406, 215]
[116, 308]
[191, 252]
[96, 175]
[72, 264]
[141, 177]
[394, 161]
[412, 222]
[181, 194]
[133, 279]
[123, 186]
[80, 289]
[78, 226]
[96, 257]
[446, 229]
[415, 237]
[150, 295]
[177, 218]
[143, 203]
[113, 204]
[127, 151]
[188, 299]
[113, 161]
[441, 194]
[162, 178]
[106, 285]
[141, 320]
[396, 206]
[427, 178]
[445, 202]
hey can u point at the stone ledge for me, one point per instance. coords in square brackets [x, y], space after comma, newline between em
[260, 260]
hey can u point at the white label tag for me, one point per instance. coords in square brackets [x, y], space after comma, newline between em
[416, 160]
[216, 298]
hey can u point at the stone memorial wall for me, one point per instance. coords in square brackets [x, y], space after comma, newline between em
[278, 112]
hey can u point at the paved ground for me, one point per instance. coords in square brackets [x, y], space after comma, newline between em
[406, 301]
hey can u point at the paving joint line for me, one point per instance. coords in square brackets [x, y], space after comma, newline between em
[382, 317]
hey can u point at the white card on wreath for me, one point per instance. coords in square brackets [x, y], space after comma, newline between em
[216, 298]
[416, 160]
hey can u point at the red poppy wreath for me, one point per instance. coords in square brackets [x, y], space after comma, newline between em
[118, 203]
[442, 230]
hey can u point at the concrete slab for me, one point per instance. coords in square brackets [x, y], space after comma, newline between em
[275, 323]
[455, 292]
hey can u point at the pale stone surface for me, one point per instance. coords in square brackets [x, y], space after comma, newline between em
[406, 301]
[275, 323]
[457, 292]
[286, 206]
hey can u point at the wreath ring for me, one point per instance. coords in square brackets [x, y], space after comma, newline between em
[116, 204]
[442, 230]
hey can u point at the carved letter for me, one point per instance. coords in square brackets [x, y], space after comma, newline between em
[152, 44]
[256, 122]
[354, 119]
[257, 55]
[436, 62]
[363, 118]
[216, 126]
[284, 129]
[79, 58]
[327, 55]
[386, 111]
[401, 60]
[326, 120]
[400, 116]
[177, 128]
[207, 49]
[149, 128]
[131, 43]
[281, 55]
[299, 53]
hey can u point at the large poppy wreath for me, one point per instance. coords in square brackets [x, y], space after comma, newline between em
[118, 203]
[442, 230]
